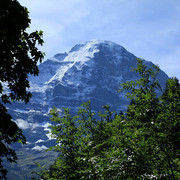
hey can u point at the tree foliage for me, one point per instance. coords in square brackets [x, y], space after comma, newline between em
[141, 143]
[18, 58]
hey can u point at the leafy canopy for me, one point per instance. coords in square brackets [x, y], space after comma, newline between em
[18, 58]
[141, 143]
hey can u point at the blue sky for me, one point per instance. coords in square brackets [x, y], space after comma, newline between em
[149, 29]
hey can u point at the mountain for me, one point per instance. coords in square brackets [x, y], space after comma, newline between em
[92, 71]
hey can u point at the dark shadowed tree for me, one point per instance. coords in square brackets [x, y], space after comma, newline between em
[18, 58]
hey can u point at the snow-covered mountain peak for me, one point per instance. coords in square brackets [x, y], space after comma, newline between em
[92, 71]
[95, 44]
[95, 63]
[83, 52]
[87, 46]
[90, 49]
[85, 58]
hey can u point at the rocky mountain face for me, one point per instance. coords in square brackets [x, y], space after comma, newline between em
[92, 71]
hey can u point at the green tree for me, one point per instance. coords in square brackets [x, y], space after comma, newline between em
[69, 139]
[81, 144]
[18, 58]
[169, 127]
[152, 127]
[140, 143]
[74, 137]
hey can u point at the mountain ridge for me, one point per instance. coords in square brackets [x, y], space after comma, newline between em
[92, 71]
